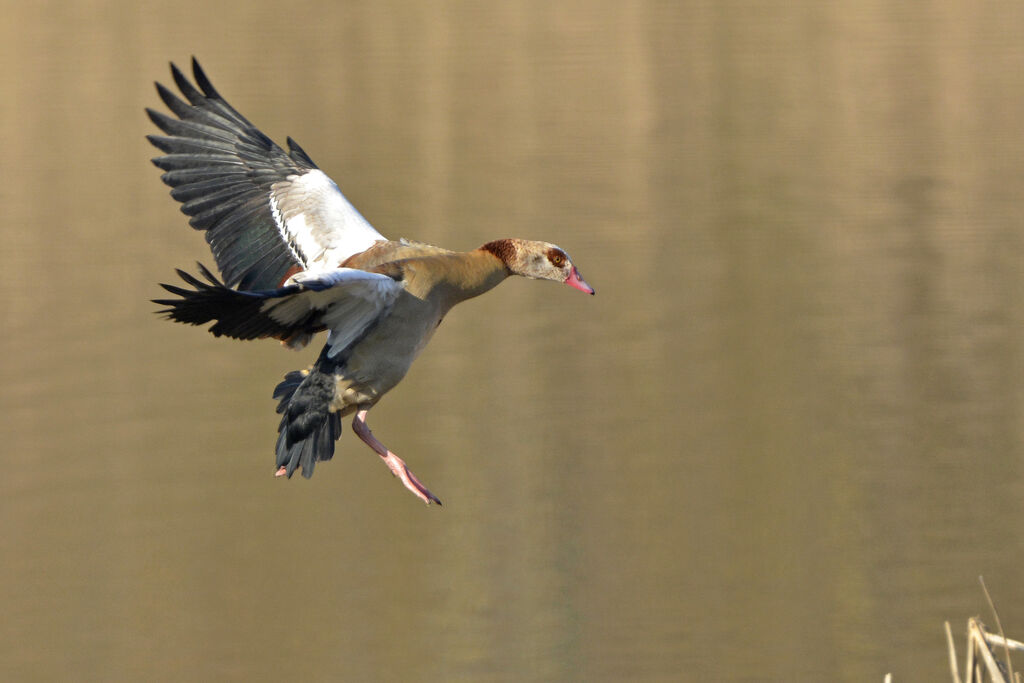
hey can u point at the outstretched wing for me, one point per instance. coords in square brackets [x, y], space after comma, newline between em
[267, 213]
[345, 301]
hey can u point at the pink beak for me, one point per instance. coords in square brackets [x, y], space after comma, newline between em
[574, 280]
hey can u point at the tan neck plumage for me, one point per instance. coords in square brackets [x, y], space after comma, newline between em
[454, 277]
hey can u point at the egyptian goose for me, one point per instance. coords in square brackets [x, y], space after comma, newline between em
[296, 258]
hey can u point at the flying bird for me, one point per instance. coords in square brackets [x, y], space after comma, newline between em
[296, 258]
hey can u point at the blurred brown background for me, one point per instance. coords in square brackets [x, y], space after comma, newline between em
[781, 442]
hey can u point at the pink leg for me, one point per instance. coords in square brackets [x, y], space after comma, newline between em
[393, 462]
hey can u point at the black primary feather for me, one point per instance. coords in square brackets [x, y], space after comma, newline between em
[235, 314]
[222, 168]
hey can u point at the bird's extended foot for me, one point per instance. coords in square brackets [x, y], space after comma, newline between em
[394, 463]
[400, 470]
[281, 471]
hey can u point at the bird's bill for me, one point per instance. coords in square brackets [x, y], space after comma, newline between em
[574, 280]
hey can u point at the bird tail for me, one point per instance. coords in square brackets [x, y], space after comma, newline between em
[308, 428]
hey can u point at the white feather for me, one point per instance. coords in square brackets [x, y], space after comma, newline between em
[317, 220]
[351, 300]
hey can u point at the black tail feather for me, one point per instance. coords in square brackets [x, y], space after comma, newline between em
[308, 428]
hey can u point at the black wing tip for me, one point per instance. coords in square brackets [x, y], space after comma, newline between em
[299, 155]
[163, 121]
[164, 143]
[176, 73]
[233, 313]
[172, 101]
[203, 81]
[195, 97]
[208, 274]
[193, 281]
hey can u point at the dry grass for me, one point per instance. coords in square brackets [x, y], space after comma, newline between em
[982, 664]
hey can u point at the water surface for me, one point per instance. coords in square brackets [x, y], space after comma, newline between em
[781, 442]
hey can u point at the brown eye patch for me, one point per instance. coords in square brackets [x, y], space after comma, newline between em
[556, 257]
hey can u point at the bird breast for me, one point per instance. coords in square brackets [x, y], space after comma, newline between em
[379, 361]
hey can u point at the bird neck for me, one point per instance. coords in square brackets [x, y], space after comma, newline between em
[476, 272]
[454, 277]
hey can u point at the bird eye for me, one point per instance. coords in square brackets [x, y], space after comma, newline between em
[557, 260]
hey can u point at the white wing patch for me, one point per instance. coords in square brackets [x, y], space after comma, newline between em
[350, 300]
[318, 222]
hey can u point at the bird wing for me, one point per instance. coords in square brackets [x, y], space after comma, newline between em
[267, 213]
[345, 301]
